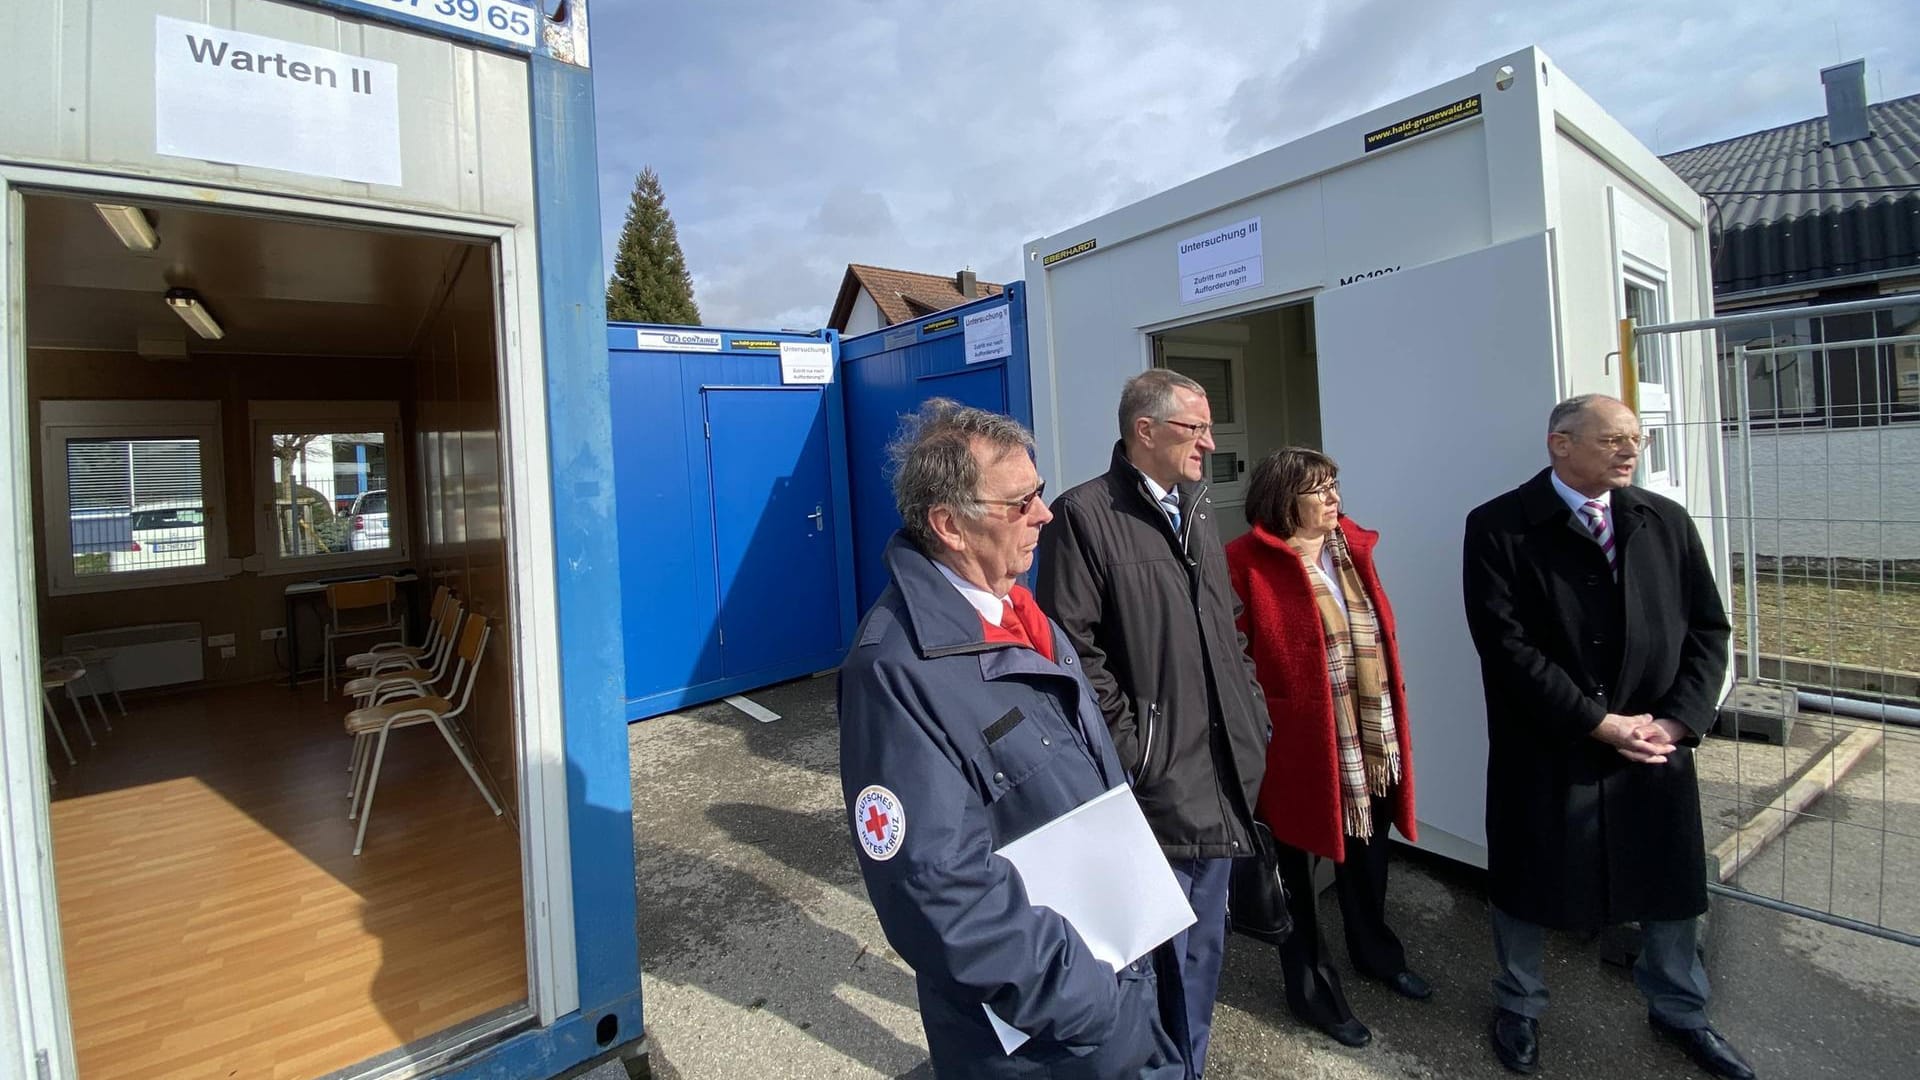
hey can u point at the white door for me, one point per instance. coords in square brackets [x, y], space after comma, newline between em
[1435, 385]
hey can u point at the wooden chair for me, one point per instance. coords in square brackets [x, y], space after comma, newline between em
[399, 654]
[416, 674]
[371, 726]
[100, 670]
[62, 673]
[47, 685]
[356, 608]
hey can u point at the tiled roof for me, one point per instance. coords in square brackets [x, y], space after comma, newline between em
[901, 295]
[1776, 239]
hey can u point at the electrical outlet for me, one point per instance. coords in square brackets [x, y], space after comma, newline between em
[219, 639]
[227, 652]
[273, 633]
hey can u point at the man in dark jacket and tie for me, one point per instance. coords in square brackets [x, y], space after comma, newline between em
[1132, 569]
[1603, 651]
[966, 723]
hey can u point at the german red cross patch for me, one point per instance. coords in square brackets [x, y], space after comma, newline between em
[879, 822]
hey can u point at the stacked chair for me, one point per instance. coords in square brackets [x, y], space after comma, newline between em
[431, 683]
[67, 673]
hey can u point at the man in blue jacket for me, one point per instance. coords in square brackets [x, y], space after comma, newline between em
[965, 724]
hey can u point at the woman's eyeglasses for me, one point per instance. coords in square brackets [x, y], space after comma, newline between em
[1328, 490]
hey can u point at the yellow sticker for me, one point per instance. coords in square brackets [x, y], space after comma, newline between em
[1064, 254]
[1464, 109]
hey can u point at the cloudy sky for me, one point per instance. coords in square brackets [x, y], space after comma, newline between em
[796, 136]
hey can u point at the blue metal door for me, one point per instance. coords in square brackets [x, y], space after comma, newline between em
[888, 373]
[775, 557]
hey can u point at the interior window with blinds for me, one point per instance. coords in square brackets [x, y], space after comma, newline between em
[135, 504]
[329, 492]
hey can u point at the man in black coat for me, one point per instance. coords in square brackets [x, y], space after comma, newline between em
[1132, 569]
[1603, 650]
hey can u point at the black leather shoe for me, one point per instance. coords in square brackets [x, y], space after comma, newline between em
[1516, 1041]
[1409, 985]
[1708, 1050]
[1348, 1032]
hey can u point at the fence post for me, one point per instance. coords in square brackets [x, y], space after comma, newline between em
[1750, 572]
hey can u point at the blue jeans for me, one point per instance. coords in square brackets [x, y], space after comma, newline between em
[1668, 972]
[1200, 949]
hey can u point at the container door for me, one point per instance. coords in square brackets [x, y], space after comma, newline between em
[1435, 383]
[773, 525]
[890, 372]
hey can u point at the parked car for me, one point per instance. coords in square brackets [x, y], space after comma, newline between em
[368, 522]
[166, 534]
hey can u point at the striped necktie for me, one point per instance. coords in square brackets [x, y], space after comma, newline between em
[1596, 515]
[1170, 502]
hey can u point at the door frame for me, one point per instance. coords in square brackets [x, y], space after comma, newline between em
[37, 997]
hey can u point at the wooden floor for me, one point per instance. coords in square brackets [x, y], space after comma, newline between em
[215, 920]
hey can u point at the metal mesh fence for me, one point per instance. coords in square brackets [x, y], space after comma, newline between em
[1811, 789]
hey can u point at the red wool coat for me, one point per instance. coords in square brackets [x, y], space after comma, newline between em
[1300, 797]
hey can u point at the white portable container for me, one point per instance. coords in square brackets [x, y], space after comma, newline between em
[1411, 291]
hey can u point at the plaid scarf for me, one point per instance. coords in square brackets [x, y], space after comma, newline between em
[1369, 749]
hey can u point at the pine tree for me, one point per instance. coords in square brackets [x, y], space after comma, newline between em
[650, 282]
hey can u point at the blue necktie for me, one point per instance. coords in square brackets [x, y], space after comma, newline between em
[1171, 502]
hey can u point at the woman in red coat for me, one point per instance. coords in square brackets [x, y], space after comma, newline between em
[1340, 766]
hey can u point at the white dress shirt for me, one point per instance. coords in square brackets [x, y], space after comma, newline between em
[1577, 502]
[1329, 572]
[988, 605]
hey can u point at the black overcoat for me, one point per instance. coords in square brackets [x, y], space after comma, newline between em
[1578, 836]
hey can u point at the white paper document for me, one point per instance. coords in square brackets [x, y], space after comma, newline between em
[1099, 867]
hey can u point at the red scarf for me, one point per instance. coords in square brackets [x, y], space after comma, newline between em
[1021, 623]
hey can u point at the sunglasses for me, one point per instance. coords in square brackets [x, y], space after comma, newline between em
[1023, 503]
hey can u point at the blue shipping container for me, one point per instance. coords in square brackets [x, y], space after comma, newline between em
[731, 479]
[975, 354]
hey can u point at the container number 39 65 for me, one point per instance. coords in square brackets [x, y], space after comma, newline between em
[499, 19]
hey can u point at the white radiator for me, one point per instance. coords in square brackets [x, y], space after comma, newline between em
[160, 654]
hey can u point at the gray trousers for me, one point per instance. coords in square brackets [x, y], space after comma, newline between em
[1668, 972]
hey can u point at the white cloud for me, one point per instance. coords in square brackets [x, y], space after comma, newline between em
[795, 138]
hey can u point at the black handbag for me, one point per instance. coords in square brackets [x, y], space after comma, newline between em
[1256, 899]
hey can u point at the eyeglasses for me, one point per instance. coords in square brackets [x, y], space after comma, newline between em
[1199, 431]
[1328, 490]
[1021, 504]
[1617, 443]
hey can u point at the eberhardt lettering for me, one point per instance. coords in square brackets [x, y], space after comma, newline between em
[938, 325]
[1464, 109]
[755, 343]
[1063, 254]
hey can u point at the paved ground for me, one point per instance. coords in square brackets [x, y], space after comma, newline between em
[763, 959]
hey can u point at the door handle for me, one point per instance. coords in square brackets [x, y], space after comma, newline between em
[819, 518]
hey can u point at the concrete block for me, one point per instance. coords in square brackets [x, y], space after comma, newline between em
[1758, 711]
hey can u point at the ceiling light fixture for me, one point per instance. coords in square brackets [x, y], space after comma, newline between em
[130, 224]
[186, 304]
